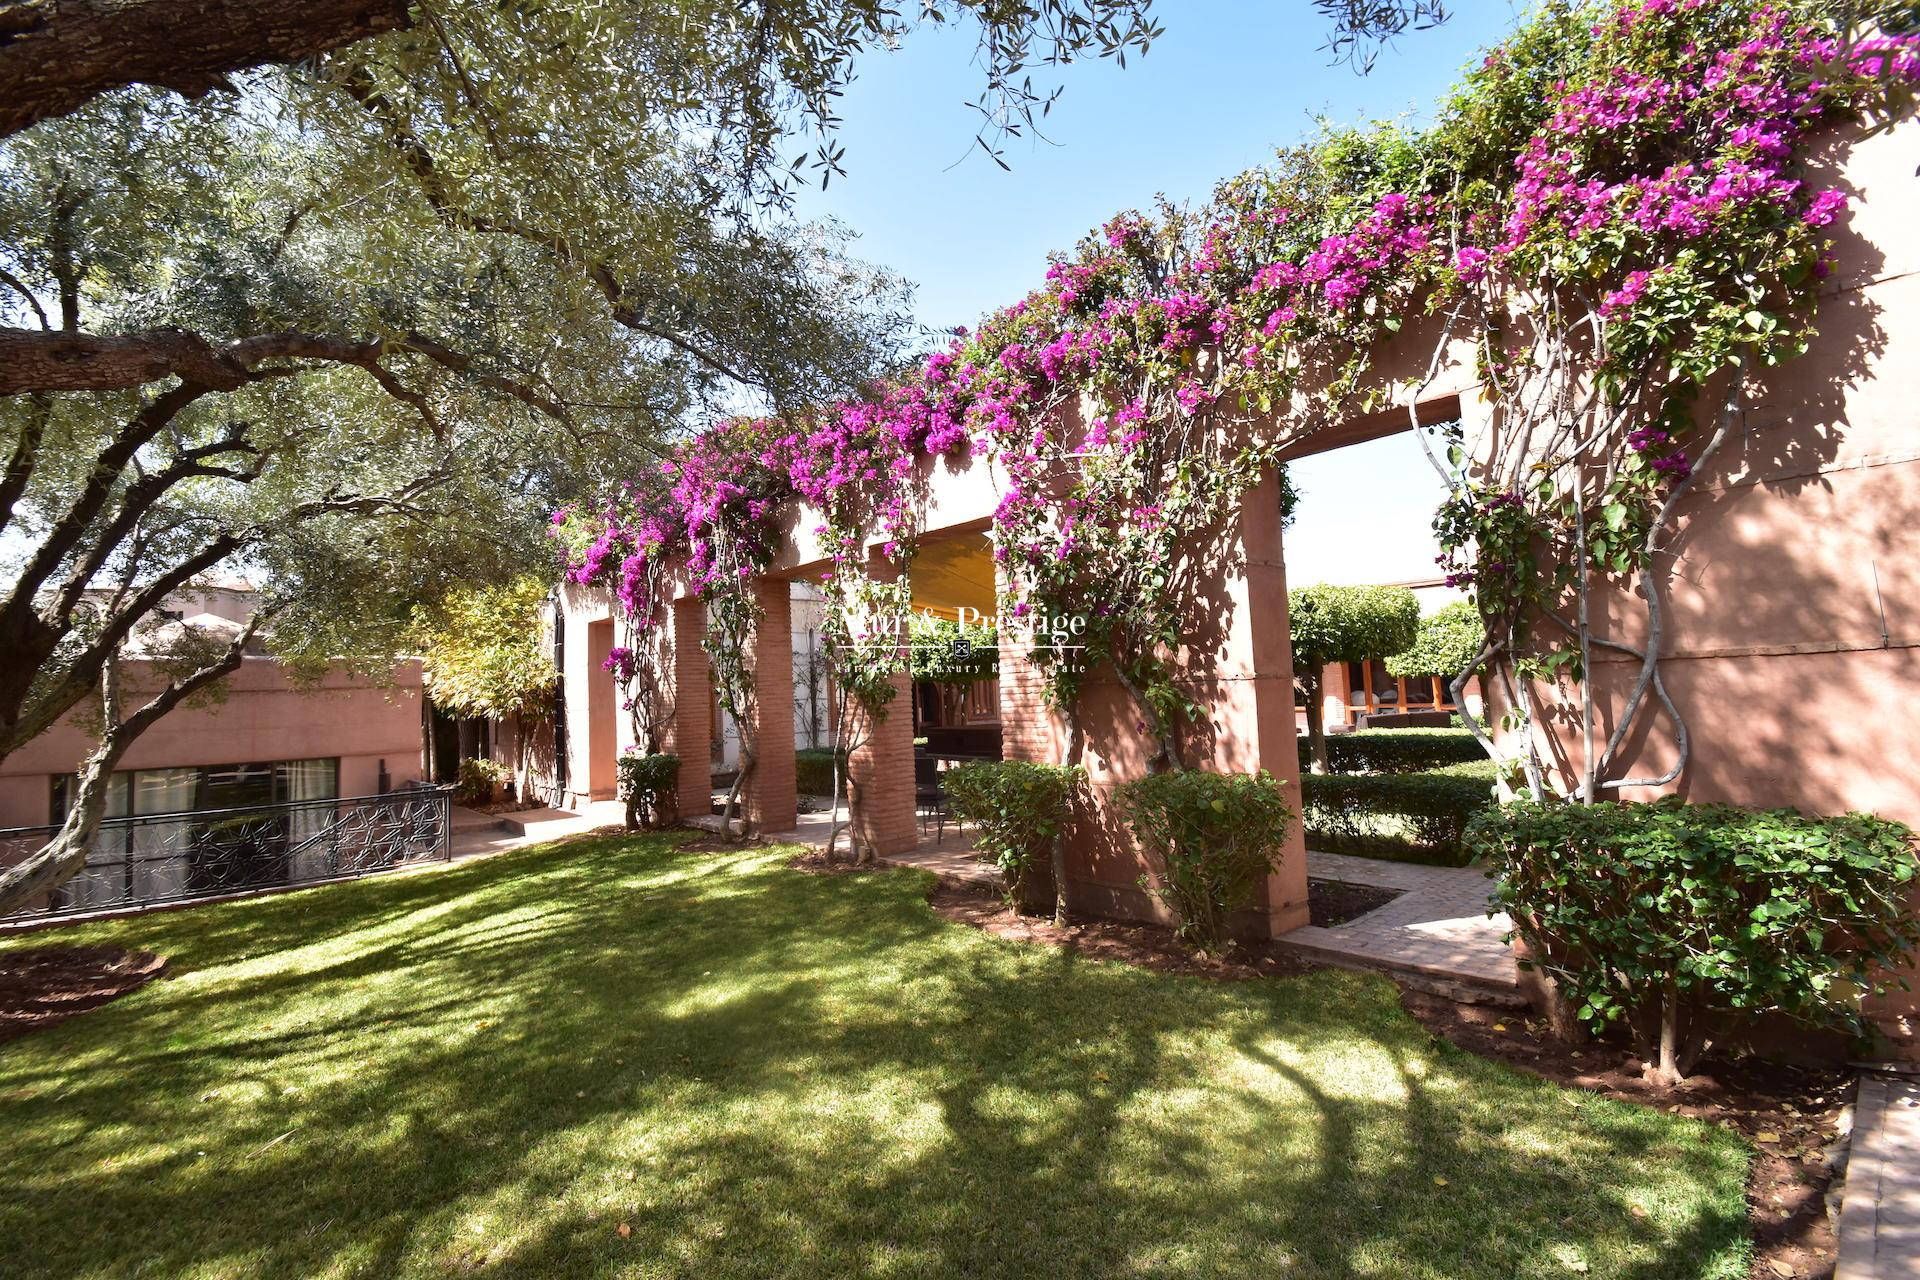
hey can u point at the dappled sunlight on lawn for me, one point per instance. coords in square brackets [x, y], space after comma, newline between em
[496, 1067]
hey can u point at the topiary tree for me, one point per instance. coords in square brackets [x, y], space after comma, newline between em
[1331, 624]
[484, 653]
[1684, 921]
[1446, 647]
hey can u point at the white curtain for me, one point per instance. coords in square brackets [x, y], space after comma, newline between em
[103, 883]
[308, 780]
[159, 849]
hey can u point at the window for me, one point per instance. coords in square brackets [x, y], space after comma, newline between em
[157, 860]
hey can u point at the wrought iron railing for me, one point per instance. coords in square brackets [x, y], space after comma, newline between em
[207, 853]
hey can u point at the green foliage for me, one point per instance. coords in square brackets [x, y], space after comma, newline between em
[533, 1009]
[1405, 817]
[1216, 837]
[484, 650]
[1443, 645]
[477, 779]
[949, 652]
[1681, 913]
[813, 770]
[1397, 750]
[647, 784]
[1331, 624]
[1019, 807]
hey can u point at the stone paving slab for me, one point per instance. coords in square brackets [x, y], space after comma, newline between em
[1438, 925]
[1880, 1210]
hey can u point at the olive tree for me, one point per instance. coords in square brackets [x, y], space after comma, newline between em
[1331, 624]
[55, 57]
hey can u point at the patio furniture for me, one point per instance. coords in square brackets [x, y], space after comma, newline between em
[929, 797]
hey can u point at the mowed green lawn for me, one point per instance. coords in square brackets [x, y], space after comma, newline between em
[617, 1059]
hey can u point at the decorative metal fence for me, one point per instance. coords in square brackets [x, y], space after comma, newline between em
[180, 857]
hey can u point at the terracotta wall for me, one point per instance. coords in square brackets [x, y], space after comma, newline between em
[1792, 589]
[264, 717]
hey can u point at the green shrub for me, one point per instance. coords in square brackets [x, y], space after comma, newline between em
[647, 784]
[1673, 917]
[1408, 817]
[1216, 835]
[813, 770]
[1397, 750]
[477, 779]
[1018, 807]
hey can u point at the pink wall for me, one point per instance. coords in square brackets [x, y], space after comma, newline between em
[1792, 596]
[264, 717]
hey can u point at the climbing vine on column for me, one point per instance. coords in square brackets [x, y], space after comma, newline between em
[1612, 215]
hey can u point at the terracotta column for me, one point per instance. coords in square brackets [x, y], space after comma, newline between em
[689, 732]
[771, 801]
[1254, 675]
[881, 770]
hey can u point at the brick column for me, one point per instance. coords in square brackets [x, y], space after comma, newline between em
[689, 732]
[771, 801]
[881, 770]
[1028, 730]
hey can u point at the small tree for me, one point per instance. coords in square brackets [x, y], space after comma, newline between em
[484, 653]
[1343, 624]
[1446, 646]
[1682, 921]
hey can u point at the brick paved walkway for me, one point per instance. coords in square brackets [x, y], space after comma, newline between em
[1880, 1214]
[1437, 926]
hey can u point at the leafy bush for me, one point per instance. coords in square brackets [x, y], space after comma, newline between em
[813, 770]
[1443, 646]
[1217, 836]
[647, 784]
[1397, 750]
[1018, 806]
[1670, 916]
[1408, 817]
[477, 779]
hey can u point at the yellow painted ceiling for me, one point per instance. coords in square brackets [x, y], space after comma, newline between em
[952, 573]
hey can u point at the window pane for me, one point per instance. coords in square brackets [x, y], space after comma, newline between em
[308, 779]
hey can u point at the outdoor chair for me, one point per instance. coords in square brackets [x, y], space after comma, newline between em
[929, 797]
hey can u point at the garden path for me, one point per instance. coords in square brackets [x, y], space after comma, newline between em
[1438, 926]
[1880, 1217]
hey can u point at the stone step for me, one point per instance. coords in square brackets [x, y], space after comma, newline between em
[1461, 988]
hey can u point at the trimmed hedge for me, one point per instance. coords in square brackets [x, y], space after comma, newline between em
[1019, 808]
[1674, 917]
[813, 770]
[1216, 837]
[646, 785]
[1397, 750]
[1405, 817]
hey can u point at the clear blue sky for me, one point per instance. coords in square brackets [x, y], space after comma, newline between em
[1231, 81]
